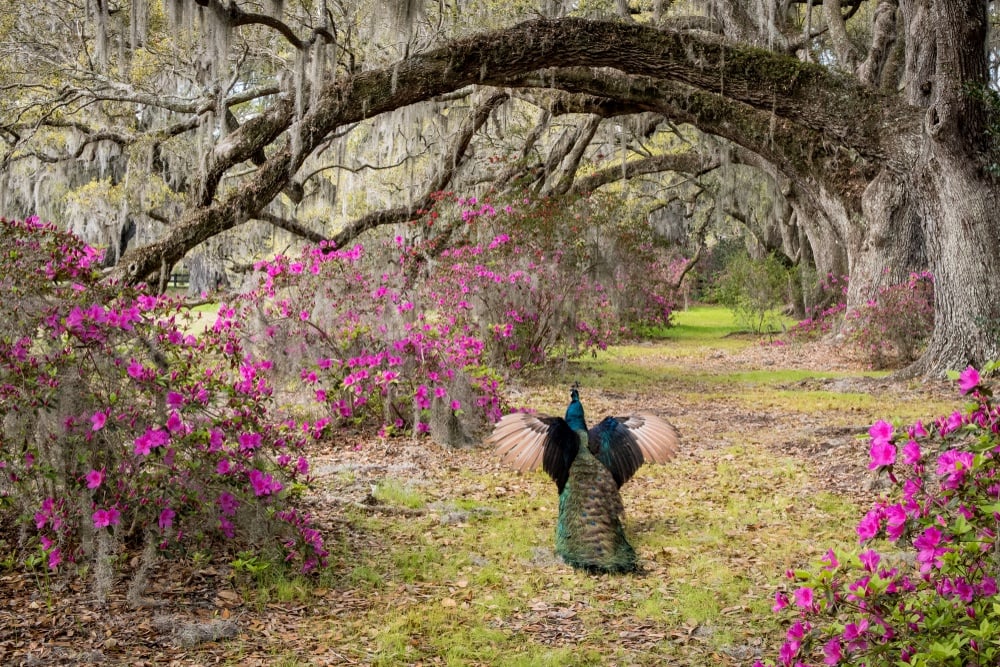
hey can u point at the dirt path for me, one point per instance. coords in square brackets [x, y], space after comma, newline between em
[465, 574]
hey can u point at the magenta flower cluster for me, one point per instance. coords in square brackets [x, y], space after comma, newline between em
[892, 328]
[383, 337]
[117, 418]
[923, 591]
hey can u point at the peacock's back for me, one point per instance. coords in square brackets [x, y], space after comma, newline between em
[589, 532]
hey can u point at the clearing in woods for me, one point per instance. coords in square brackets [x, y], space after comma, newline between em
[444, 557]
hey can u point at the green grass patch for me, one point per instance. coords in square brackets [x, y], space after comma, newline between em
[395, 492]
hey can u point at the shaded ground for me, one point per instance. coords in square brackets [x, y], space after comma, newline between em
[772, 470]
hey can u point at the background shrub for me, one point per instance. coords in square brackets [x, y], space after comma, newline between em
[755, 290]
[892, 329]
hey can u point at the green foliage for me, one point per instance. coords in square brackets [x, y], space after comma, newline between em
[755, 290]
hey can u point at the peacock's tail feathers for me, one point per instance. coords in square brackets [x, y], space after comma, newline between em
[589, 533]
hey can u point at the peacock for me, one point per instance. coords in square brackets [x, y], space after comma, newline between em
[588, 468]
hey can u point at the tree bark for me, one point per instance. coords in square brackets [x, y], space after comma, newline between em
[964, 249]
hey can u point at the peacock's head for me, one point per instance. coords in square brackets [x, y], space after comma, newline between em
[574, 412]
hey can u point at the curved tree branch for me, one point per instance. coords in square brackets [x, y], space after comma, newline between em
[714, 84]
[695, 163]
[291, 226]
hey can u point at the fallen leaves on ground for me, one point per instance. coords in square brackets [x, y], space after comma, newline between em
[194, 615]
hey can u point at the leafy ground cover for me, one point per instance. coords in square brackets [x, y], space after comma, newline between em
[443, 557]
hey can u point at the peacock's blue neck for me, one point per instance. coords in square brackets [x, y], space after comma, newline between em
[574, 413]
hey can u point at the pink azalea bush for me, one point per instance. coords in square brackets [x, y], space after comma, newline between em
[923, 588]
[390, 334]
[119, 424]
[825, 317]
[891, 330]
[364, 343]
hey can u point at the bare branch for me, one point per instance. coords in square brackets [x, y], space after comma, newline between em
[291, 226]
[584, 136]
[690, 162]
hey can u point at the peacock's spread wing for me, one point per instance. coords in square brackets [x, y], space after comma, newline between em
[524, 441]
[623, 444]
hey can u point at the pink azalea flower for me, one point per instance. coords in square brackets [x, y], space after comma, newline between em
[895, 522]
[166, 518]
[854, 634]
[302, 466]
[215, 439]
[94, 478]
[870, 524]
[55, 558]
[804, 598]
[911, 453]
[955, 465]
[928, 552]
[250, 441]
[788, 652]
[174, 400]
[263, 484]
[150, 440]
[98, 420]
[832, 652]
[870, 559]
[881, 430]
[798, 631]
[883, 453]
[228, 503]
[105, 518]
[968, 380]
[174, 422]
[780, 602]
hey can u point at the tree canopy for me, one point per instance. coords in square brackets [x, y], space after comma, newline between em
[872, 121]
